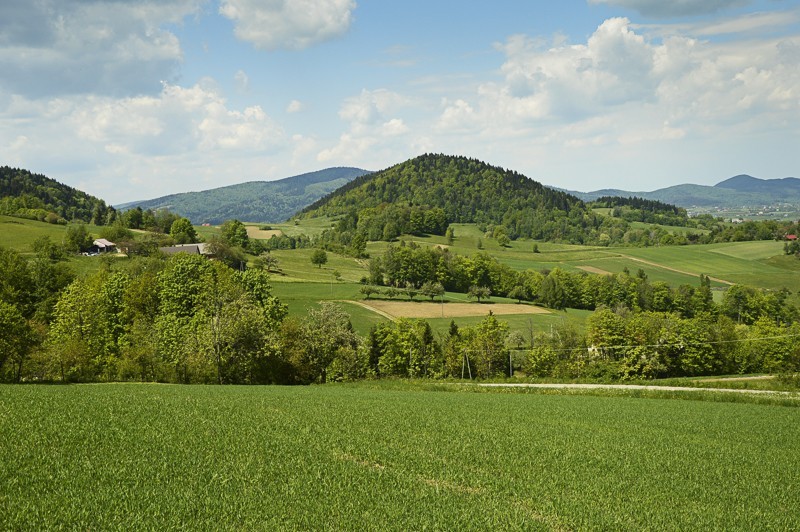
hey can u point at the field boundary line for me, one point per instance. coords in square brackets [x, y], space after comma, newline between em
[373, 309]
[633, 387]
[668, 268]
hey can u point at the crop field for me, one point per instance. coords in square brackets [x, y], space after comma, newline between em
[390, 456]
[255, 231]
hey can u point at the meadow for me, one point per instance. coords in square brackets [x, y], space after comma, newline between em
[302, 286]
[393, 455]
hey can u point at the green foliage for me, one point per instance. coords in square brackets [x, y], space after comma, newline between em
[83, 338]
[183, 232]
[16, 341]
[46, 249]
[425, 194]
[405, 348]
[319, 257]
[432, 289]
[37, 197]
[313, 345]
[234, 233]
[117, 232]
[77, 238]
[479, 292]
[368, 290]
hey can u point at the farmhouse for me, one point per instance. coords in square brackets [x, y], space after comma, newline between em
[101, 245]
[192, 249]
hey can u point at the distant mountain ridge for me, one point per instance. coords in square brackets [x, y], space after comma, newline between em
[738, 191]
[254, 201]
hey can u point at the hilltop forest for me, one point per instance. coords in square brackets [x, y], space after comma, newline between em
[426, 194]
[37, 197]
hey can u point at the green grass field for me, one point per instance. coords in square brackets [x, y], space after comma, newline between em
[389, 456]
[302, 285]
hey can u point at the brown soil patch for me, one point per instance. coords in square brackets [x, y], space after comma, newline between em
[592, 269]
[427, 309]
[734, 379]
[254, 232]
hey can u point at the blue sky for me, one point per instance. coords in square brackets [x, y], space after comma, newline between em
[135, 99]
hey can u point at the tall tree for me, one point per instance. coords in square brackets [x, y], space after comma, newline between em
[183, 232]
[319, 257]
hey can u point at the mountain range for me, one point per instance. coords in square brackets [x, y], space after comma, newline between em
[254, 201]
[735, 192]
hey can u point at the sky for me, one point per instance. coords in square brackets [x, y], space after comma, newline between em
[135, 99]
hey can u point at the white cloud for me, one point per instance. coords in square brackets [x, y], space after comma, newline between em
[54, 47]
[674, 8]
[692, 84]
[371, 106]
[457, 116]
[294, 25]
[624, 98]
[144, 146]
[375, 132]
[295, 106]
[394, 127]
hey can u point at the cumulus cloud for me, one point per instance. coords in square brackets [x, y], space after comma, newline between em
[370, 108]
[278, 24]
[51, 47]
[626, 96]
[146, 145]
[621, 72]
[375, 131]
[674, 8]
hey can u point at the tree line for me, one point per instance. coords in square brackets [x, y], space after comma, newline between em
[186, 319]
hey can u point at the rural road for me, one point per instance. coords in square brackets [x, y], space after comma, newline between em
[634, 387]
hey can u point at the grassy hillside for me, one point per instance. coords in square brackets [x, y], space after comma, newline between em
[302, 285]
[389, 456]
[255, 201]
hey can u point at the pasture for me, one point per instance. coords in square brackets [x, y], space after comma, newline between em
[389, 456]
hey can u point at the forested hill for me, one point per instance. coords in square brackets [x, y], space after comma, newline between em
[427, 193]
[38, 197]
[255, 201]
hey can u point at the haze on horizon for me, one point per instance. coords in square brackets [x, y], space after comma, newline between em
[142, 98]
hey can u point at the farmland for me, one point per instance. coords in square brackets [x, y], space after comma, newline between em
[301, 285]
[393, 456]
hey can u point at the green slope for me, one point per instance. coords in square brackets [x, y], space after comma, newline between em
[255, 201]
